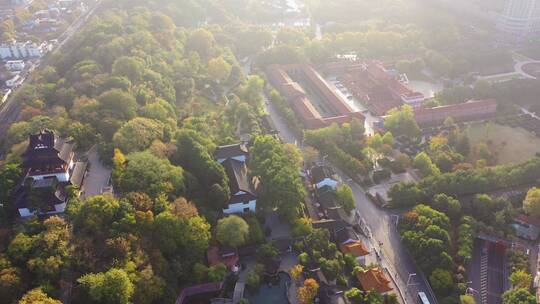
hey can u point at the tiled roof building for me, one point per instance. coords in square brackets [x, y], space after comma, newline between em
[372, 84]
[337, 109]
[471, 110]
[374, 279]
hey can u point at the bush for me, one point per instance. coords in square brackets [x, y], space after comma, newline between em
[253, 280]
[256, 235]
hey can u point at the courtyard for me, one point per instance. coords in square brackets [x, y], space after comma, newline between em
[513, 145]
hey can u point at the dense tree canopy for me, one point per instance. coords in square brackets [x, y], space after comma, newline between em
[401, 122]
[232, 231]
[276, 171]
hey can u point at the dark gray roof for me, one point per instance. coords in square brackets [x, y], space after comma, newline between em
[45, 148]
[319, 173]
[50, 193]
[326, 196]
[229, 151]
[333, 214]
[345, 234]
[238, 177]
[329, 224]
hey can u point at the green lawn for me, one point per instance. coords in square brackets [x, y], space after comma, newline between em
[513, 145]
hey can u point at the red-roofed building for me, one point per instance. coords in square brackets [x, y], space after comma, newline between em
[374, 279]
[311, 118]
[373, 85]
[471, 110]
[357, 249]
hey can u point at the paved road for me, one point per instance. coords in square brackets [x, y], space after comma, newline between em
[382, 226]
[98, 175]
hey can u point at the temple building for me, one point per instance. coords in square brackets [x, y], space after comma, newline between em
[49, 166]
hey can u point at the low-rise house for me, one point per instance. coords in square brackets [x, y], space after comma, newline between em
[322, 176]
[243, 194]
[15, 65]
[15, 81]
[357, 249]
[20, 50]
[242, 187]
[374, 279]
[527, 227]
[237, 152]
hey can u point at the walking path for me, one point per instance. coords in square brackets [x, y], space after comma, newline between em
[98, 176]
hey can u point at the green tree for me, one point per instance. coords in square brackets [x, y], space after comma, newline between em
[185, 238]
[345, 198]
[194, 154]
[11, 284]
[129, 67]
[232, 231]
[441, 281]
[400, 121]
[149, 287]
[448, 205]
[7, 28]
[388, 139]
[138, 134]
[111, 287]
[37, 296]
[20, 247]
[200, 41]
[117, 103]
[159, 110]
[355, 295]
[291, 36]
[423, 162]
[10, 174]
[302, 227]
[148, 173]
[217, 273]
[531, 204]
[467, 299]
[281, 186]
[97, 213]
[518, 296]
[219, 69]
[520, 279]
[330, 268]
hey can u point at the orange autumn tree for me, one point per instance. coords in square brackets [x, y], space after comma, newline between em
[308, 291]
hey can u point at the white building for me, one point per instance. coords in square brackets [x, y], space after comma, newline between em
[520, 18]
[15, 65]
[20, 50]
[243, 194]
[14, 82]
